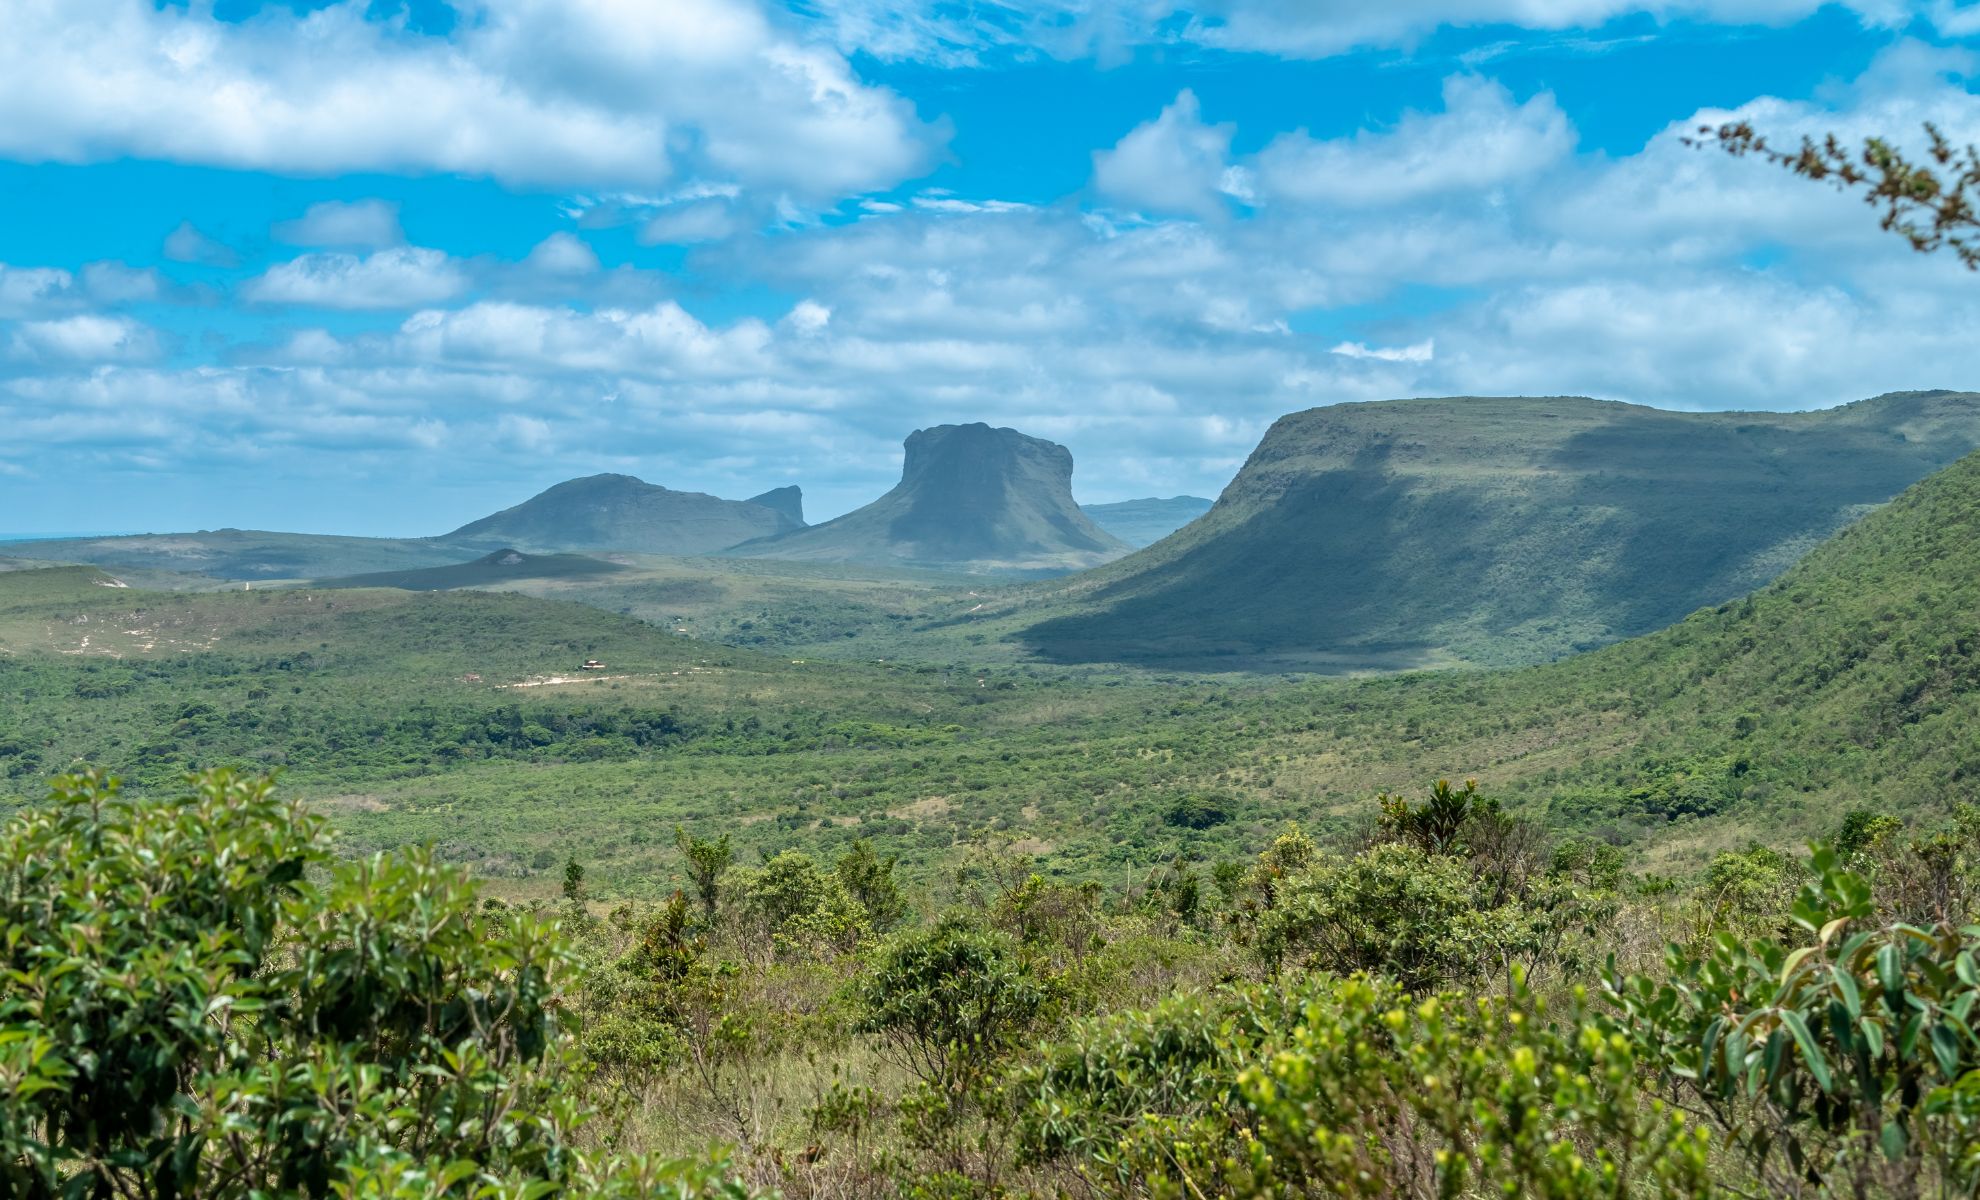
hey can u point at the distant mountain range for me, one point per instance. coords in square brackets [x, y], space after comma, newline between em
[1143, 522]
[970, 498]
[1494, 530]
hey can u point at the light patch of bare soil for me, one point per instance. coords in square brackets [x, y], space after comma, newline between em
[351, 803]
[927, 807]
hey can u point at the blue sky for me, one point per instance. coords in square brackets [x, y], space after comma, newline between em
[383, 267]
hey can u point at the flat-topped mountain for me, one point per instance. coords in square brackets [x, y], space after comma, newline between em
[970, 497]
[619, 512]
[1497, 530]
[1144, 522]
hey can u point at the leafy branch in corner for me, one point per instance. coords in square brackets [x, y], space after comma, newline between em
[1929, 203]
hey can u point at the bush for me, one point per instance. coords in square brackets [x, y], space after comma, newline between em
[200, 1003]
[947, 1003]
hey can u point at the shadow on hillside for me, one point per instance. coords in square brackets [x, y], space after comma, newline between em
[1282, 580]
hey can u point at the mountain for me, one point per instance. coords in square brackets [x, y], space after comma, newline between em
[242, 554]
[490, 570]
[1494, 530]
[786, 500]
[1143, 522]
[619, 512]
[971, 498]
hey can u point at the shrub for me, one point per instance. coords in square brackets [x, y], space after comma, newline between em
[200, 1003]
[947, 1003]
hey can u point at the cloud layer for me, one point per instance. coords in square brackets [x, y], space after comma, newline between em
[532, 92]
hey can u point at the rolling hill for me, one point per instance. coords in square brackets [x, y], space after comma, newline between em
[1143, 522]
[619, 512]
[1491, 530]
[970, 498]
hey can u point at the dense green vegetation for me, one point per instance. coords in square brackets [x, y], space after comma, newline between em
[204, 1001]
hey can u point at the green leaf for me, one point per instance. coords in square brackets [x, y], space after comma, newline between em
[1811, 1053]
[1893, 1140]
[1945, 1048]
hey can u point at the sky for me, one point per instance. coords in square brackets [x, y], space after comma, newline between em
[384, 266]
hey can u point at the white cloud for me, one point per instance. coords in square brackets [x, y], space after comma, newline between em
[1173, 165]
[26, 291]
[84, 338]
[1109, 30]
[562, 92]
[664, 340]
[701, 221]
[367, 224]
[405, 277]
[563, 254]
[119, 283]
[188, 245]
[1420, 352]
[1482, 139]
[808, 318]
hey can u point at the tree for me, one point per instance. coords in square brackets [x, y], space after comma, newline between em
[870, 879]
[1930, 202]
[574, 880]
[706, 863]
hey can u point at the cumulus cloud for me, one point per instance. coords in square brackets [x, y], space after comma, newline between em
[561, 92]
[370, 224]
[187, 244]
[563, 254]
[664, 340]
[83, 338]
[1173, 165]
[25, 291]
[1481, 140]
[1420, 352]
[405, 277]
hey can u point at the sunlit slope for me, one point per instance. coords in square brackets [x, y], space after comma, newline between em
[1494, 530]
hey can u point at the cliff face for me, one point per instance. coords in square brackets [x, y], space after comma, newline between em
[970, 497]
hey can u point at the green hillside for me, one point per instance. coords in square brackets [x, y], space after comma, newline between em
[1491, 531]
